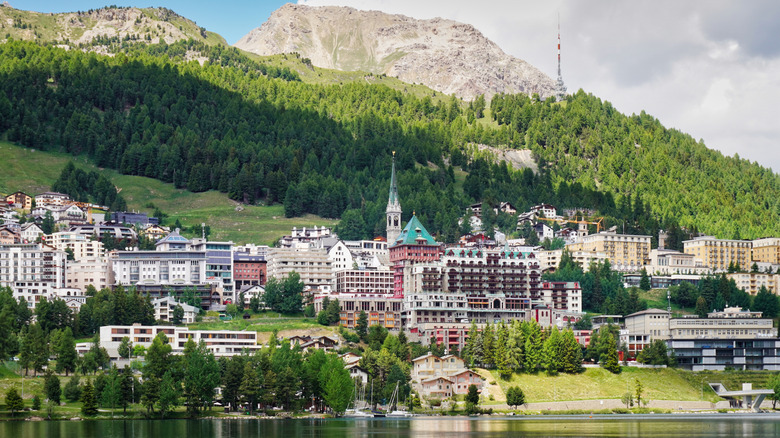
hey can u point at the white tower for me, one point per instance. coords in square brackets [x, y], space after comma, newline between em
[393, 210]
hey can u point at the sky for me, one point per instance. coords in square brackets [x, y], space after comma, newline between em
[709, 68]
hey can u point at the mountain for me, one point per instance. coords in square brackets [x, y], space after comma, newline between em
[99, 27]
[447, 56]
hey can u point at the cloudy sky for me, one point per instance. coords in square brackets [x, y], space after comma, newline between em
[709, 68]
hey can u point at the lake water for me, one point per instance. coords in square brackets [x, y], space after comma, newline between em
[689, 426]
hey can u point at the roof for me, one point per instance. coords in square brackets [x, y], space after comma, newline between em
[425, 357]
[173, 237]
[414, 231]
[393, 196]
[648, 312]
[433, 379]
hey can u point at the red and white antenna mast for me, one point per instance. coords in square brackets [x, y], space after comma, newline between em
[560, 89]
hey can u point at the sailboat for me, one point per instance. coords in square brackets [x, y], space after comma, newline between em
[359, 407]
[394, 400]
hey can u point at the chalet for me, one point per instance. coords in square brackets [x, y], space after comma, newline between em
[543, 231]
[463, 379]
[437, 387]
[321, 343]
[20, 200]
[9, 236]
[356, 372]
[155, 232]
[30, 232]
[350, 358]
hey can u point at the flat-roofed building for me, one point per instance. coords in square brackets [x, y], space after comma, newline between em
[32, 271]
[364, 281]
[766, 250]
[671, 262]
[313, 265]
[625, 252]
[653, 322]
[718, 254]
[83, 248]
[218, 342]
[752, 282]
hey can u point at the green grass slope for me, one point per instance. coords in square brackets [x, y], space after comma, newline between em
[598, 383]
[33, 171]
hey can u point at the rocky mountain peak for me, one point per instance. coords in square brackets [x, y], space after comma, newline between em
[447, 56]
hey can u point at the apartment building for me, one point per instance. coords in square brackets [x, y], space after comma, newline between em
[313, 265]
[752, 282]
[83, 248]
[766, 250]
[627, 253]
[32, 271]
[718, 254]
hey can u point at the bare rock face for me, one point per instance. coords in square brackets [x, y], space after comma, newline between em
[447, 56]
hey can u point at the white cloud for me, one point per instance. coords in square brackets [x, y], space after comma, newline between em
[705, 67]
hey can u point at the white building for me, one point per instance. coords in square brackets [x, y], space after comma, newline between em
[30, 232]
[158, 267]
[340, 257]
[51, 199]
[83, 247]
[32, 271]
[219, 342]
[164, 307]
[671, 262]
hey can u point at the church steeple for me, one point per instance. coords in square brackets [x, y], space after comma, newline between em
[393, 209]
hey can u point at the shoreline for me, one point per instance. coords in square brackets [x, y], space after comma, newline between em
[525, 416]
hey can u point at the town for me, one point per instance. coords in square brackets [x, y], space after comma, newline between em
[440, 310]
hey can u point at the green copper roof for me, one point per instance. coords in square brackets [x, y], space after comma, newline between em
[393, 198]
[412, 232]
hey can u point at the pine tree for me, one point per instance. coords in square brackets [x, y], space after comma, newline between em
[701, 307]
[88, 400]
[610, 360]
[644, 281]
[552, 349]
[66, 353]
[52, 388]
[534, 349]
[13, 401]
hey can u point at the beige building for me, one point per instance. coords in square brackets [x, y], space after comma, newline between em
[671, 262]
[752, 282]
[313, 265]
[550, 260]
[96, 272]
[766, 250]
[625, 252]
[718, 254]
[653, 322]
[364, 281]
[731, 323]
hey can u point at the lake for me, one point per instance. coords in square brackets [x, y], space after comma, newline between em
[690, 426]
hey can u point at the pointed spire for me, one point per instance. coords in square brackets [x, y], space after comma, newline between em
[393, 198]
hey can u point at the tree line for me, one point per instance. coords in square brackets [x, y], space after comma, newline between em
[326, 149]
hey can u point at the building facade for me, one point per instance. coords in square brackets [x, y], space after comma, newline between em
[752, 282]
[628, 253]
[32, 271]
[219, 342]
[718, 254]
[766, 250]
[249, 270]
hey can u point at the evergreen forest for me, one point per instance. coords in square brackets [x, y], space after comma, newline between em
[261, 135]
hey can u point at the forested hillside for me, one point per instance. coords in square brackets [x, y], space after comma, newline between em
[326, 149]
